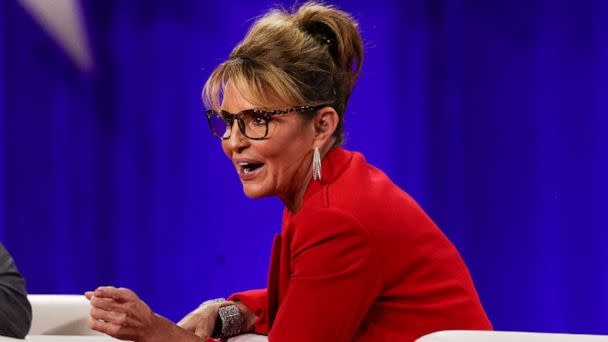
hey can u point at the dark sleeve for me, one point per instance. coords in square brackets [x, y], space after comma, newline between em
[15, 309]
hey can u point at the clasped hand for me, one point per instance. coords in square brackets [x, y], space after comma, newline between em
[120, 313]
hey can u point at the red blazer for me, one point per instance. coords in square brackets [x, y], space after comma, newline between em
[362, 261]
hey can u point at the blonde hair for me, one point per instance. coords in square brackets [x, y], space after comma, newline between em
[309, 56]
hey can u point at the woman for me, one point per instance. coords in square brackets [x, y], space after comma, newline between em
[357, 258]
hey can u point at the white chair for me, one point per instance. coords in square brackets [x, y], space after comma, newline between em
[60, 315]
[507, 336]
[57, 316]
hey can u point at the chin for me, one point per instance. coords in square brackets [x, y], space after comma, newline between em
[253, 191]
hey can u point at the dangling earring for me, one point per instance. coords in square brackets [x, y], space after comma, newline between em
[316, 164]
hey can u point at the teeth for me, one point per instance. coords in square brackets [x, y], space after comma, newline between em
[248, 168]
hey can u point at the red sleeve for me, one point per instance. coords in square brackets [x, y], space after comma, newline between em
[256, 301]
[335, 278]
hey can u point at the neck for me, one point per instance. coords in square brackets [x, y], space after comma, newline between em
[293, 200]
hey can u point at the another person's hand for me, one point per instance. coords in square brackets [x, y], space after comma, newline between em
[120, 313]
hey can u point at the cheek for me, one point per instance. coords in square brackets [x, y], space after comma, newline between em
[226, 149]
[286, 157]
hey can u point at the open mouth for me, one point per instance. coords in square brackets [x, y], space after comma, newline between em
[247, 168]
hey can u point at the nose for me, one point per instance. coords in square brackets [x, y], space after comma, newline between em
[237, 141]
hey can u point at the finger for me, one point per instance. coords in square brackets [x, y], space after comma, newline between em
[106, 303]
[111, 329]
[118, 318]
[88, 295]
[200, 332]
[121, 294]
[125, 295]
[105, 291]
[205, 326]
[201, 329]
[101, 326]
[188, 322]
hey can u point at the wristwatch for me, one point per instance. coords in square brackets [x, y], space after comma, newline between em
[228, 323]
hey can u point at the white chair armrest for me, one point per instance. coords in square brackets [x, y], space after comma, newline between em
[60, 315]
[249, 338]
[507, 336]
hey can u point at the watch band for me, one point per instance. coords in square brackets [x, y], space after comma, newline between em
[229, 323]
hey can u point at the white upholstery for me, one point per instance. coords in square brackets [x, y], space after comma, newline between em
[249, 338]
[67, 314]
[60, 315]
[507, 336]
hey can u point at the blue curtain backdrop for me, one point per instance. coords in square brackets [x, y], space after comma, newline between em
[492, 114]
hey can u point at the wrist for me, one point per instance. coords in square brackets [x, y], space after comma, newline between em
[160, 330]
[165, 330]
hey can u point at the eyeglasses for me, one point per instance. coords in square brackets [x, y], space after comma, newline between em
[253, 123]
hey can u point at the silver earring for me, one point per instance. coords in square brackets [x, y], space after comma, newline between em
[316, 164]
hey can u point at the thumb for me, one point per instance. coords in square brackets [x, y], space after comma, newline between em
[187, 323]
[200, 331]
[205, 327]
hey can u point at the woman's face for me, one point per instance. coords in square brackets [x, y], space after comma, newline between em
[277, 165]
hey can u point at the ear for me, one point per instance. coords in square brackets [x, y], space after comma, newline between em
[325, 123]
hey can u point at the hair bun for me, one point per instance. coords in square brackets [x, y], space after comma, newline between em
[338, 30]
[321, 32]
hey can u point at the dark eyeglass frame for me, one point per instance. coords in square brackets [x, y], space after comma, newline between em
[229, 118]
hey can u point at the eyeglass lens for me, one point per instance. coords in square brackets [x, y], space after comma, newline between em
[253, 124]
